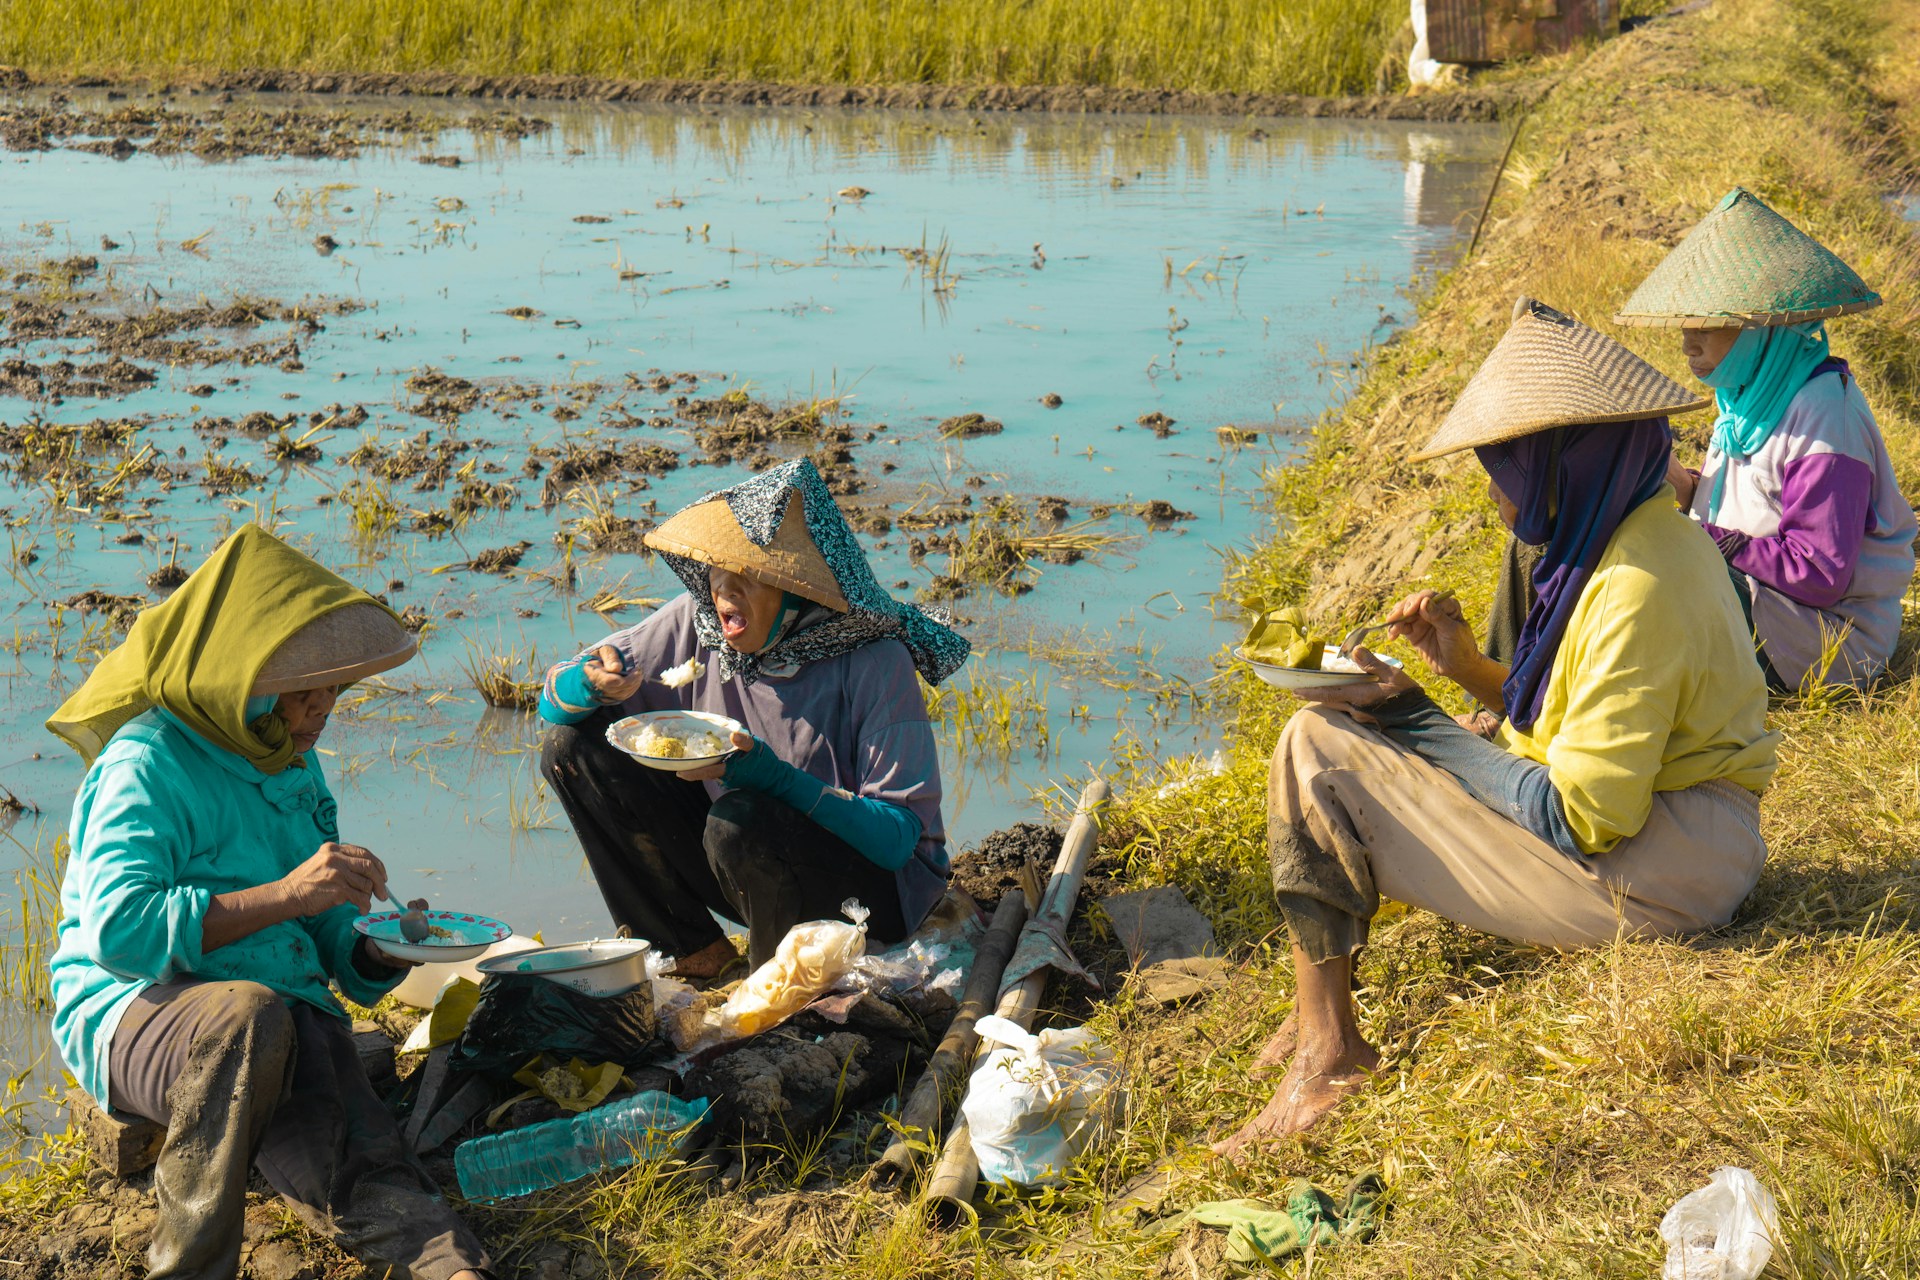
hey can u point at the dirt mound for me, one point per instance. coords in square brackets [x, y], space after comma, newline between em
[992, 868]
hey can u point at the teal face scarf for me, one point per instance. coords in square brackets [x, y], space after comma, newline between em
[1759, 378]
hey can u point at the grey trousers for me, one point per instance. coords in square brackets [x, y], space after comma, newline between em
[1353, 817]
[239, 1076]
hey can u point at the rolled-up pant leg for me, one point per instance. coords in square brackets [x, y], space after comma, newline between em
[212, 1061]
[642, 831]
[336, 1154]
[1353, 817]
[238, 1077]
[778, 868]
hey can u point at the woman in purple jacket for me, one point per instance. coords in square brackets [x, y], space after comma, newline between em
[1796, 488]
[834, 790]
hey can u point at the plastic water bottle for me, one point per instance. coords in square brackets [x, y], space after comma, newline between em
[553, 1152]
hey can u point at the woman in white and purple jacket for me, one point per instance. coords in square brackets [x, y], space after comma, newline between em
[1796, 487]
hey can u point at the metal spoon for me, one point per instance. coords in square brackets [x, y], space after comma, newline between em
[1358, 634]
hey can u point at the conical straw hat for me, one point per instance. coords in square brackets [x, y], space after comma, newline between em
[347, 644]
[707, 532]
[1549, 370]
[1745, 266]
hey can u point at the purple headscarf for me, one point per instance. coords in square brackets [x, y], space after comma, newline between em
[1573, 485]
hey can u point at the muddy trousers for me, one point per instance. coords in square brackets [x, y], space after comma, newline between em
[239, 1076]
[665, 855]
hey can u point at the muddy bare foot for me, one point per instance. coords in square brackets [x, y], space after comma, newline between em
[1308, 1092]
[708, 962]
[1278, 1051]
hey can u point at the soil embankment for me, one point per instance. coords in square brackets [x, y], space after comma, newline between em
[1461, 105]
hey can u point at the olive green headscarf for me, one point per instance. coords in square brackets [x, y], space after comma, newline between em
[198, 654]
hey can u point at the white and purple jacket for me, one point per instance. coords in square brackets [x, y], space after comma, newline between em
[1817, 523]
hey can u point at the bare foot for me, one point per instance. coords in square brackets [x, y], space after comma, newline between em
[1279, 1050]
[708, 962]
[1309, 1091]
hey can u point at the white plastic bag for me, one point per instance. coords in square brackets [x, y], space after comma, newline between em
[1037, 1102]
[1723, 1231]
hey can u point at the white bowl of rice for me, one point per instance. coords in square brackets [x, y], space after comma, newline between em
[675, 740]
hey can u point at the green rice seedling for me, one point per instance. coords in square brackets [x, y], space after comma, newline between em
[32, 932]
[1005, 545]
[510, 679]
[375, 516]
[995, 715]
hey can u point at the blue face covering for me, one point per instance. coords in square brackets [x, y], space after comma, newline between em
[1762, 373]
[257, 707]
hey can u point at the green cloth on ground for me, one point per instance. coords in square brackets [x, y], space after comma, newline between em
[1259, 1233]
[197, 654]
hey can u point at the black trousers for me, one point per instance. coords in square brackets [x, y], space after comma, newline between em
[664, 855]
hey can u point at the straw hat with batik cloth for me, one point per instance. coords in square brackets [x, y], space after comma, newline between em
[1549, 370]
[783, 528]
[1743, 267]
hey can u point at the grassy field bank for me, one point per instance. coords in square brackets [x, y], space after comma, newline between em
[1537, 1113]
[1241, 46]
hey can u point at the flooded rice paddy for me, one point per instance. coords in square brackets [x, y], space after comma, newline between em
[1044, 361]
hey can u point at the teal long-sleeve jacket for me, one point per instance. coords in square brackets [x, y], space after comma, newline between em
[164, 821]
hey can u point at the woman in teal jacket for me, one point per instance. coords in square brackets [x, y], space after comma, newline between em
[208, 908]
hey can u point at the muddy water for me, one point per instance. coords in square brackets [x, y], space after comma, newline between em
[1207, 271]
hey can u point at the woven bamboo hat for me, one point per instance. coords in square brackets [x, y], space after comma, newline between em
[708, 533]
[1744, 266]
[347, 644]
[1549, 370]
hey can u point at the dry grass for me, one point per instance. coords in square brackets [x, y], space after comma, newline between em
[1537, 1112]
[1303, 46]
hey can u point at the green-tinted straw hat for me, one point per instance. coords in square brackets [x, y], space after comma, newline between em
[1743, 267]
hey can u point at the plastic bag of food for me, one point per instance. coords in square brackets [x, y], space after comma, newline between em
[806, 964]
[1037, 1102]
[521, 1014]
[1723, 1231]
[1281, 637]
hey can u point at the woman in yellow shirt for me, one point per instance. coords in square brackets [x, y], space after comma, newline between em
[1621, 796]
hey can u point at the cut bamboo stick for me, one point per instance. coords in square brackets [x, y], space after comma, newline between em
[920, 1117]
[956, 1175]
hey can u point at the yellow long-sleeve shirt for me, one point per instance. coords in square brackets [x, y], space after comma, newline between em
[1655, 687]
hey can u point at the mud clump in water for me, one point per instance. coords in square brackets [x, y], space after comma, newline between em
[499, 560]
[737, 428]
[1161, 512]
[225, 130]
[160, 336]
[118, 610]
[965, 426]
[1158, 423]
[428, 462]
[443, 397]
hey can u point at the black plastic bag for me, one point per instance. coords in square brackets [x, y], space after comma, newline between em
[522, 1014]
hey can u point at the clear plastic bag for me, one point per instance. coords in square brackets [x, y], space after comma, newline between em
[1037, 1102]
[806, 964]
[1723, 1231]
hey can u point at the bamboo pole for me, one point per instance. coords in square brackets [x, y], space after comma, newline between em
[920, 1117]
[956, 1175]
